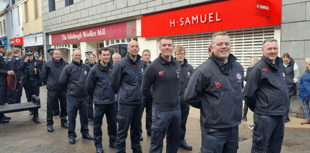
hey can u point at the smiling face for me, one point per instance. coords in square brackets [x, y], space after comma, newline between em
[146, 56]
[221, 47]
[116, 58]
[166, 47]
[76, 56]
[133, 48]
[92, 59]
[286, 60]
[105, 56]
[56, 55]
[270, 50]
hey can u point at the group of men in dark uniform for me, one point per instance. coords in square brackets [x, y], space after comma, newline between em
[166, 87]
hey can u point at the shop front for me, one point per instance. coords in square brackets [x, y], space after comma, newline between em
[34, 42]
[113, 36]
[17, 42]
[248, 23]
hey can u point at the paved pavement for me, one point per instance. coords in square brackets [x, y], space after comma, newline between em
[22, 135]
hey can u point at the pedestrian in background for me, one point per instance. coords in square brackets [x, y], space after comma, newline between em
[17, 94]
[186, 72]
[9, 92]
[90, 107]
[292, 76]
[304, 94]
[253, 61]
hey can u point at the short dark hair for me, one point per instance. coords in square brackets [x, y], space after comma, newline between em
[103, 49]
[167, 38]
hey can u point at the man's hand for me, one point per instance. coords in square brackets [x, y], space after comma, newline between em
[11, 72]
[26, 60]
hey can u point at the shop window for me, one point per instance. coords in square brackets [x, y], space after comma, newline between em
[128, 40]
[75, 46]
[112, 42]
[13, 2]
[51, 5]
[101, 45]
[123, 40]
[68, 2]
[117, 40]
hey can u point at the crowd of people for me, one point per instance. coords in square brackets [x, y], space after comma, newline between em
[165, 87]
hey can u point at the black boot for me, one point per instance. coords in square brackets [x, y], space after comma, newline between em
[87, 136]
[65, 125]
[50, 128]
[3, 120]
[99, 150]
[36, 120]
[184, 145]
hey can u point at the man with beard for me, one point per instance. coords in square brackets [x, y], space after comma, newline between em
[90, 110]
[50, 76]
[100, 91]
[3, 82]
[186, 71]
[164, 75]
[216, 88]
[73, 79]
[126, 81]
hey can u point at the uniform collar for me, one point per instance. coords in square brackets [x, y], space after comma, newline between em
[274, 66]
[163, 61]
[102, 68]
[76, 63]
[131, 60]
[224, 67]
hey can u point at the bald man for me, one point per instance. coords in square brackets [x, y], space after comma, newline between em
[126, 81]
[73, 79]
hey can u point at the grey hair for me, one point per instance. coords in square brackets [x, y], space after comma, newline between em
[220, 33]
[116, 54]
[269, 40]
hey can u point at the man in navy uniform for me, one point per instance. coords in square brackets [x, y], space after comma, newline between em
[216, 88]
[164, 75]
[266, 93]
[17, 94]
[73, 79]
[126, 81]
[3, 82]
[101, 93]
[50, 76]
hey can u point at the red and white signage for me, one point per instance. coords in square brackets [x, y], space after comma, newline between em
[17, 41]
[225, 15]
[112, 31]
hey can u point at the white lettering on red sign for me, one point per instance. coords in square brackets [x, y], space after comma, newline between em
[196, 19]
[85, 34]
[263, 7]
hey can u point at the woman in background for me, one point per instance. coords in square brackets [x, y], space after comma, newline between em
[292, 76]
[253, 61]
[304, 95]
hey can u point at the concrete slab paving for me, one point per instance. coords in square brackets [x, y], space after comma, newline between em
[22, 135]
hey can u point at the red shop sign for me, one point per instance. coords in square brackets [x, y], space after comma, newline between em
[17, 41]
[112, 31]
[225, 15]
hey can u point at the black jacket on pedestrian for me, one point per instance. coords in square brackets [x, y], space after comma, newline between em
[289, 73]
[28, 69]
[51, 72]
[186, 71]
[73, 79]
[15, 62]
[90, 65]
[98, 84]
[126, 80]
[164, 77]
[266, 91]
[219, 85]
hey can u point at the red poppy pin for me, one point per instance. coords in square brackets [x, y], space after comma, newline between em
[265, 69]
[161, 73]
[218, 85]
[134, 65]
[110, 70]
